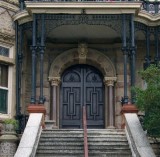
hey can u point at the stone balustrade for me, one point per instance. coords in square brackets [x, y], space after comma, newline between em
[137, 138]
[30, 138]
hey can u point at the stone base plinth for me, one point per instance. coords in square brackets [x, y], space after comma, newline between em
[50, 124]
[36, 108]
[127, 108]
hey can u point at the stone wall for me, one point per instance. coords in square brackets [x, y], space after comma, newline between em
[7, 39]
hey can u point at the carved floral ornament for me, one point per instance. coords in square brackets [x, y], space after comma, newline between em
[109, 81]
[82, 51]
[55, 81]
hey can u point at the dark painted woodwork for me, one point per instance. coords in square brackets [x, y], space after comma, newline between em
[82, 85]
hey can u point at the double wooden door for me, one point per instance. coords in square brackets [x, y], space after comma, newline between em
[82, 85]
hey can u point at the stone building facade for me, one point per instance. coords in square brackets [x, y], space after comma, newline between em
[83, 35]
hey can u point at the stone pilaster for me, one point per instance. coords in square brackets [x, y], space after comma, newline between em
[110, 114]
[54, 113]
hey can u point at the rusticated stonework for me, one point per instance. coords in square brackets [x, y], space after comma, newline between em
[6, 25]
[7, 149]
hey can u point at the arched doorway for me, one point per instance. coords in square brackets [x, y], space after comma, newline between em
[93, 58]
[82, 85]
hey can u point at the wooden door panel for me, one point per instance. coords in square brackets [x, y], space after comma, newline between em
[82, 85]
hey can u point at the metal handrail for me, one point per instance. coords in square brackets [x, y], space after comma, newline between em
[85, 132]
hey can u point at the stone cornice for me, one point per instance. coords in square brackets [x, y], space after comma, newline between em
[9, 6]
[147, 18]
[77, 7]
[22, 17]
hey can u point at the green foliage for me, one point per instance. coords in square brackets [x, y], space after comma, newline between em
[148, 100]
[11, 121]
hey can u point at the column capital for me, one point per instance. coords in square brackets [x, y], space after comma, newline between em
[109, 81]
[55, 81]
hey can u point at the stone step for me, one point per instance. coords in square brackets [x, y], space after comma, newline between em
[81, 139]
[108, 148]
[77, 143]
[76, 152]
[69, 143]
[82, 155]
[81, 135]
[90, 131]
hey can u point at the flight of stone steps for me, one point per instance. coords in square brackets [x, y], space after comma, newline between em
[69, 143]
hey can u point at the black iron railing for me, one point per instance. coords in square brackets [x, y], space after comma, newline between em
[22, 121]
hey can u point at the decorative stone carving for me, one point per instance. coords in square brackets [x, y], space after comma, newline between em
[6, 23]
[6, 38]
[55, 81]
[82, 51]
[109, 81]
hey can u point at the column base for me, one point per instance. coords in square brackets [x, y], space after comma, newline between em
[110, 127]
[50, 124]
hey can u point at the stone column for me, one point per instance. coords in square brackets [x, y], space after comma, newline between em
[109, 99]
[54, 107]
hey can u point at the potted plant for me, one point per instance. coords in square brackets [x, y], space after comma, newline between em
[10, 125]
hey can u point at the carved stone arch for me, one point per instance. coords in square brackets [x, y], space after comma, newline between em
[72, 57]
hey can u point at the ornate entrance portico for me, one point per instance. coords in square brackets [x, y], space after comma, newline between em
[90, 57]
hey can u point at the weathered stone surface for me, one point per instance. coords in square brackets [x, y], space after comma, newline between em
[137, 136]
[69, 142]
[30, 137]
